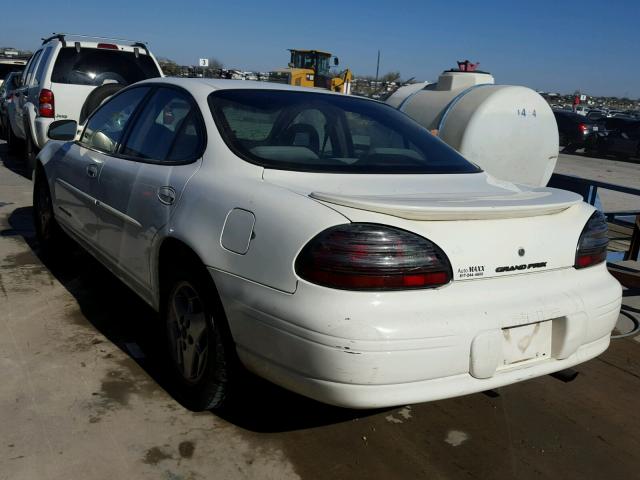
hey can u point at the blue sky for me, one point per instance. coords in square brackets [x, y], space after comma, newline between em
[560, 45]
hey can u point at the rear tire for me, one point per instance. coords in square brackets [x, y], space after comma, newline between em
[30, 153]
[51, 238]
[562, 140]
[200, 348]
[13, 142]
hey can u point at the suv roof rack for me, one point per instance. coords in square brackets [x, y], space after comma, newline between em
[58, 36]
[62, 37]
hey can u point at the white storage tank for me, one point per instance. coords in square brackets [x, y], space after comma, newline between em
[510, 131]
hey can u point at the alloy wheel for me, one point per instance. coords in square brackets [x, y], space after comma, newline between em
[188, 332]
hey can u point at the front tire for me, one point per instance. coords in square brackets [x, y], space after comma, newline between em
[51, 238]
[201, 351]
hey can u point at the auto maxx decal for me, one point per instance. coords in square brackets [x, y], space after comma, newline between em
[471, 271]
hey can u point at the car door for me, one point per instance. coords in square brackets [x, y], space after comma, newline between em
[78, 172]
[138, 190]
[22, 95]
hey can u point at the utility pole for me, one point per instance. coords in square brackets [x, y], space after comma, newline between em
[378, 67]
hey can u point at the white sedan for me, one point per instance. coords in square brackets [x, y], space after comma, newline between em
[327, 243]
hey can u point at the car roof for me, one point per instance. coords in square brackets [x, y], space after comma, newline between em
[204, 86]
[566, 112]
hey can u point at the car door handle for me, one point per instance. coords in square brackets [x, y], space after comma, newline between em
[167, 195]
[92, 171]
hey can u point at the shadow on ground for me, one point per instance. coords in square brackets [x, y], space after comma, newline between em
[15, 163]
[111, 308]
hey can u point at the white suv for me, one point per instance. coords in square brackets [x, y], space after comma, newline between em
[67, 78]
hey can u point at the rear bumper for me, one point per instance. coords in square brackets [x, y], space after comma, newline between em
[377, 396]
[366, 350]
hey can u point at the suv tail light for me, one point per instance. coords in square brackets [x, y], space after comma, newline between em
[365, 256]
[583, 128]
[46, 104]
[592, 246]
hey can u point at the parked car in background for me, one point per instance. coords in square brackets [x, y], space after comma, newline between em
[7, 91]
[326, 242]
[622, 138]
[581, 110]
[67, 78]
[596, 115]
[575, 131]
[9, 63]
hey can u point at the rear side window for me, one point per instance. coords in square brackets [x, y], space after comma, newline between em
[92, 66]
[44, 60]
[105, 127]
[30, 67]
[318, 132]
[167, 129]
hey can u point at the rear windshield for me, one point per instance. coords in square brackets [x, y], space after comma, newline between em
[319, 132]
[572, 116]
[95, 67]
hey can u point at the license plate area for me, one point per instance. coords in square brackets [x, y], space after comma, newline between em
[526, 342]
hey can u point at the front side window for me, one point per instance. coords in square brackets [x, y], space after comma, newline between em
[105, 127]
[321, 132]
[94, 66]
[167, 129]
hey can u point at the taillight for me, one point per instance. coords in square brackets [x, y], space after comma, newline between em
[46, 105]
[365, 256]
[583, 128]
[108, 46]
[592, 246]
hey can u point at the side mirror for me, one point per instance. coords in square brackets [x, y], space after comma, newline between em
[64, 130]
[336, 62]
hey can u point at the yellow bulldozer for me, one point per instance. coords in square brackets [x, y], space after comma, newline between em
[312, 68]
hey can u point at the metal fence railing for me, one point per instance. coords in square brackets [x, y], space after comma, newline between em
[628, 219]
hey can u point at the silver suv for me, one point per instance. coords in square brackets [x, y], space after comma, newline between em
[66, 79]
[11, 61]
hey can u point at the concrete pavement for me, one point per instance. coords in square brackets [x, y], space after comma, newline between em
[83, 396]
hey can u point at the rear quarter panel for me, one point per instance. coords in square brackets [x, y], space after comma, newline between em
[284, 223]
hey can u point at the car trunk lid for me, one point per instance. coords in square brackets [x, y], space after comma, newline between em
[486, 227]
